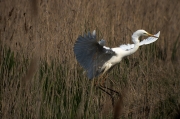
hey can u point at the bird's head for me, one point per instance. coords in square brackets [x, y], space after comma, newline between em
[139, 33]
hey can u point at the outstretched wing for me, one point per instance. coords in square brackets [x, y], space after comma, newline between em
[144, 42]
[126, 47]
[150, 39]
[91, 55]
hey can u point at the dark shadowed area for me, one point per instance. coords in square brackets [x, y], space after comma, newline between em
[41, 78]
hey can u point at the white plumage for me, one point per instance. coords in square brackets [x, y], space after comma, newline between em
[96, 58]
[149, 40]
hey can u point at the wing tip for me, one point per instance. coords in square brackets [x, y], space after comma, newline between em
[158, 34]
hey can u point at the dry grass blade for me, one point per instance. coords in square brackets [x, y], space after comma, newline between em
[40, 77]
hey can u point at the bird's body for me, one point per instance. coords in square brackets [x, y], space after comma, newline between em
[96, 58]
[116, 58]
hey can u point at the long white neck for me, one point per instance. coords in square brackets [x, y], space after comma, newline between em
[135, 39]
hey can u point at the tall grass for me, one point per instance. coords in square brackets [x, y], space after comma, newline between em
[40, 77]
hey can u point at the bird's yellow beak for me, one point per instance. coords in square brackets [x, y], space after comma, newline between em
[152, 35]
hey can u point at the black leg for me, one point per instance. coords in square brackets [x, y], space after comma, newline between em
[100, 84]
[106, 88]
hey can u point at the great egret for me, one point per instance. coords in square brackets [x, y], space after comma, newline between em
[96, 58]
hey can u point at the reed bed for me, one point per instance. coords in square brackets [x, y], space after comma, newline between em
[40, 77]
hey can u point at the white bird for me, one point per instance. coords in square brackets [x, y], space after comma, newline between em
[96, 58]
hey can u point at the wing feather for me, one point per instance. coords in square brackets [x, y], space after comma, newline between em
[149, 40]
[91, 55]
